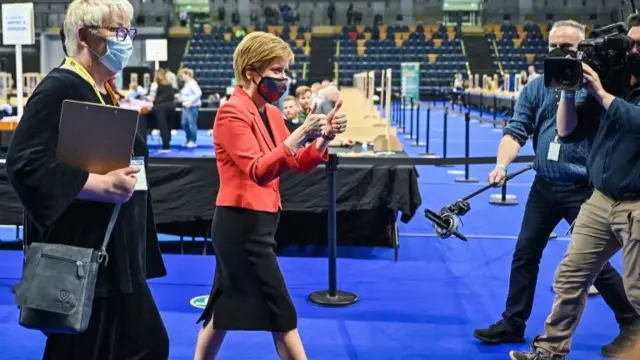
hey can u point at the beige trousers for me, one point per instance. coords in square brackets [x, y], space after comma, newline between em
[602, 227]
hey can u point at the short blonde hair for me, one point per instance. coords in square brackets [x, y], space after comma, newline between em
[83, 13]
[256, 50]
[301, 90]
[290, 98]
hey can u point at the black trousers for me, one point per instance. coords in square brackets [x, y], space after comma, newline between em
[546, 206]
[165, 113]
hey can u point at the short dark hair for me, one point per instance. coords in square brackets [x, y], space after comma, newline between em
[633, 20]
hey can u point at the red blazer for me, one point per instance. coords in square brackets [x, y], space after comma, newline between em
[249, 163]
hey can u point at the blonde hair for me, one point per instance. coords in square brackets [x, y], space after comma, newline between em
[186, 71]
[255, 51]
[290, 98]
[83, 13]
[301, 90]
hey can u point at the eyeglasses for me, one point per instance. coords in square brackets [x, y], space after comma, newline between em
[121, 32]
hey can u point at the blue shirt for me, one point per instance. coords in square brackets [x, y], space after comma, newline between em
[534, 116]
[614, 137]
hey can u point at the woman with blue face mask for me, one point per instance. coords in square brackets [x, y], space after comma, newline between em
[67, 205]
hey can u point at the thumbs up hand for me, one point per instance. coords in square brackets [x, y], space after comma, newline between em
[336, 121]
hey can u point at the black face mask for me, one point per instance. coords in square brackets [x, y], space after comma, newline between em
[562, 53]
[633, 64]
[272, 89]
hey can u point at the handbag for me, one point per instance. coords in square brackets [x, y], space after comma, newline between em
[56, 291]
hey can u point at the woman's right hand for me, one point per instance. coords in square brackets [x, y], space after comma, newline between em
[120, 185]
[313, 124]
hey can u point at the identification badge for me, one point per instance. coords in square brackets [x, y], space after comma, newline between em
[554, 150]
[141, 184]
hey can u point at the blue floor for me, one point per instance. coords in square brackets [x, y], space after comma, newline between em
[423, 307]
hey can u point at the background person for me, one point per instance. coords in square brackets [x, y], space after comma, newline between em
[67, 205]
[164, 107]
[190, 97]
[253, 149]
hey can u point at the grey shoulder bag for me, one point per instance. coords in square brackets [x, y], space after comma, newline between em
[55, 293]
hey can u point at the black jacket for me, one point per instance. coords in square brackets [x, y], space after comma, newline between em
[613, 163]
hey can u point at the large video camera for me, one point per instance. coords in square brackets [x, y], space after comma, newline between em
[605, 52]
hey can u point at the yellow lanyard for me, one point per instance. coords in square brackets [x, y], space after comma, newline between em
[80, 70]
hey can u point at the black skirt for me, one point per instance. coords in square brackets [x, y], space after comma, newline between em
[125, 327]
[249, 292]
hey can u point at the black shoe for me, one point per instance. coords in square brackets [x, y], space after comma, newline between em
[499, 333]
[621, 343]
[517, 355]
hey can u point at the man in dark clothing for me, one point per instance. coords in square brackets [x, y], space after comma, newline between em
[560, 188]
[610, 218]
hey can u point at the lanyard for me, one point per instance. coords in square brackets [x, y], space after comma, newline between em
[80, 70]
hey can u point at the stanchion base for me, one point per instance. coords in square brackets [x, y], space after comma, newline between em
[342, 298]
[409, 137]
[465, 180]
[420, 144]
[428, 155]
[553, 235]
[506, 202]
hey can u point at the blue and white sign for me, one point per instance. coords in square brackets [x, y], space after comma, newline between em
[410, 75]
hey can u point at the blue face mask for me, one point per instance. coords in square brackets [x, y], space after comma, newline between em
[117, 55]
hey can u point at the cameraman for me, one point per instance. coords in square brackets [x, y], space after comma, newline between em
[560, 187]
[610, 218]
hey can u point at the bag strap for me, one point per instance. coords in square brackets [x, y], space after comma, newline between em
[102, 253]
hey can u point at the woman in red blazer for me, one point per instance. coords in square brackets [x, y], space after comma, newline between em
[253, 148]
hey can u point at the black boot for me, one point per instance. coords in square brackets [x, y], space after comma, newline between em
[499, 333]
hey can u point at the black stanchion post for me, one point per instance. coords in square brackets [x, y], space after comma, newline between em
[444, 136]
[410, 136]
[495, 110]
[427, 135]
[332, 296]
[403, 115]
[418, 143]
[467, 150]
[504, 199]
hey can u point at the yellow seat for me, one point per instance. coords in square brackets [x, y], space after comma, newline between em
[227, 36]
[530, 58]
[451, 36]
[307, 36]
[361, 42]
[432, 58]
[399, 43]
[367, 36]
[300, 43]
[361, 50]
[517, 42]
[437, 43]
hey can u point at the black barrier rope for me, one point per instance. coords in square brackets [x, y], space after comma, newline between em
[427, 134]
[467, 150]
[332, 296]
[444, 136]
